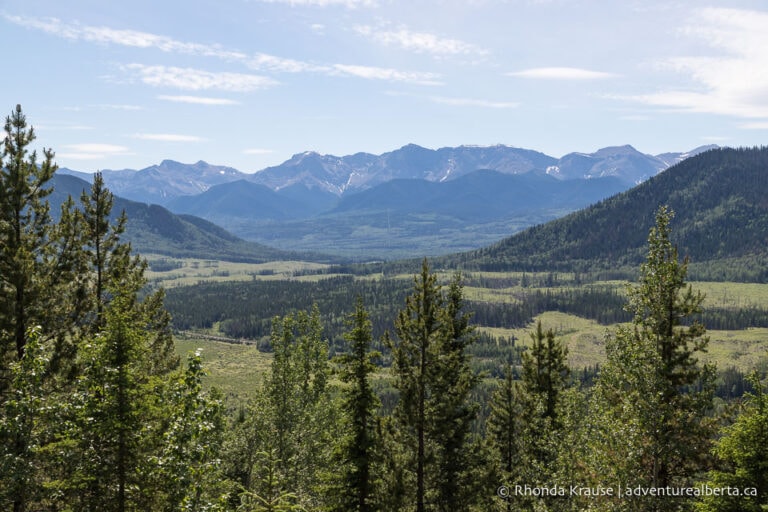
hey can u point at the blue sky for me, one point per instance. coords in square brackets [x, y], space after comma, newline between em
[248, 83]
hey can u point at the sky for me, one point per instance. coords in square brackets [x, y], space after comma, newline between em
[249, 83]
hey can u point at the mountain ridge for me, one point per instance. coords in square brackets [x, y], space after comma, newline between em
[164, 182]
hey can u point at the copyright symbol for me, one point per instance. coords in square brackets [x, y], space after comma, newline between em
[503, 492]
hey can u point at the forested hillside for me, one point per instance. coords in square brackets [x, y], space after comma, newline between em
[721, 223]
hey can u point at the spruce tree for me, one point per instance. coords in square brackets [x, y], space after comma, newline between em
[38, 268]
[453, 412]
[101, 239]
[505, 435]
[286, 433]
[653, 394]
[432, 374]
[359, 405]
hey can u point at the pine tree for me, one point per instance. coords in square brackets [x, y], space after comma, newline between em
[505, 434]
[38, 265]
[525, 424]
[188, 465]
[652, 396]
[102, 239]
[25, 231]
[419, 328]
[434, 380]
[19, 426]
[360, 404]
[452, 382]
[545, 372]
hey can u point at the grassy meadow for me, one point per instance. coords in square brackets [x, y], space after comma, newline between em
[236, 368]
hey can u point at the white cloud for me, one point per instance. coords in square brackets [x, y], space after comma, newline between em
[392, 75]
[118, 107]
[756, 125]
[132, 38]
[473, 102]
[420, 42]
[198, 100]
[92, 151]
[62, 127]
[734, 81]
[350, 4]
[258, 151]
[282, 65]
[167, 137]
[197, 79]
[561, 73]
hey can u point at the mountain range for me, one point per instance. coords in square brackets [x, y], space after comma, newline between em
[161, 184]
[409, 201]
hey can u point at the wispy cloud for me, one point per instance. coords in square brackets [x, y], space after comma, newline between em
[388, 74]
[473, 102]
[118, 107]
[561, 73]
[350, 4]
[132, 38]
[198, 100]
[63, 127]
[92, 151]
[420, 42]
[168, 137]
[734, 81]
[198, 79]
[263, 61]
[755, 125]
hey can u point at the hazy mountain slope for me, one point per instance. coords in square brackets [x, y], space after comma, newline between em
[480, 196]
[418, 217]
[154, 229]
[159, 184]
[245, 200]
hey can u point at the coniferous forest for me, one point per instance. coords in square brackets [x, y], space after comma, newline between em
[381, 408]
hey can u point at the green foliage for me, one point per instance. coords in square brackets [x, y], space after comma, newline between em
[652, 397]
[742, 454]
[22, 425]
[187, 467]
[285, 435]
[29, 250]
[431, 373]
[359, 403]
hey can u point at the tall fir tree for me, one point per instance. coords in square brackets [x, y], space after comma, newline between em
[101, 240]
[432, 374]
[359, 403]
[653, 394]
[505, 435]
[38, 266]
[453, 411]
